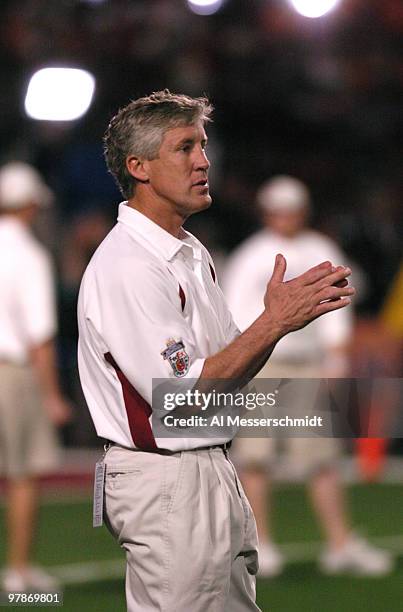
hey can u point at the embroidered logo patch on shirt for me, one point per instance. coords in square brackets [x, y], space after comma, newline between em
[177, 357]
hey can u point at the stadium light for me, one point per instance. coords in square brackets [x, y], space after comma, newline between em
[205, 7]
[59, 94]
[314, 8]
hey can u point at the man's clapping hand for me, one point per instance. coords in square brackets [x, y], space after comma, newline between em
[293, 304]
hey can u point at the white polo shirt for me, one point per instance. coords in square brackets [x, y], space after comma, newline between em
[245, 280]
[27, 301]
[149, 307]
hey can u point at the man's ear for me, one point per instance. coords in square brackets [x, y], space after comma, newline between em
[137, 168]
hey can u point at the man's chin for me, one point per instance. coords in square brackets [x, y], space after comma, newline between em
[207, 201]
[199, 204]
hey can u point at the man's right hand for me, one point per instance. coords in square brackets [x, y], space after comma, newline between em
[293, 304]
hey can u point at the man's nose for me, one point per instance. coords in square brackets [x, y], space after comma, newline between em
[202, 160]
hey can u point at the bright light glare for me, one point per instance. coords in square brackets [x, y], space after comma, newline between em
[59, 94]
[314, 8]
[205, 7]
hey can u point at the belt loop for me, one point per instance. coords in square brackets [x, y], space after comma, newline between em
[107, 445]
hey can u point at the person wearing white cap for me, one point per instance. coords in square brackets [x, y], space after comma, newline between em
[31, 403]
[316, 351]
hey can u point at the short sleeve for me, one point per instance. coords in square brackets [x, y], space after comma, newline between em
[35, 299]
[335, 328]
[231, 330]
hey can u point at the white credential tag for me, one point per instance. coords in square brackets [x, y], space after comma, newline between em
[99, 480]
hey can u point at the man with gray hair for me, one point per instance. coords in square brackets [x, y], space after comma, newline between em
[150, 308]
[31, 403]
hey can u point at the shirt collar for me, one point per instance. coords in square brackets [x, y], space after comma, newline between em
[161, 240]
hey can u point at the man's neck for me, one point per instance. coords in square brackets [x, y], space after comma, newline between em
[161, 214]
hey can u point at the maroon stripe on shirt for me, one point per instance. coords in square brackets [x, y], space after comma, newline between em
[182, 297]
[212, 271]
[137, 410]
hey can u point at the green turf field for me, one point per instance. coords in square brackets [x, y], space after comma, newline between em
[81, 554]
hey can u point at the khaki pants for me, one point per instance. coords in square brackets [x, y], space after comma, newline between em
[28, 440]
[187, 529]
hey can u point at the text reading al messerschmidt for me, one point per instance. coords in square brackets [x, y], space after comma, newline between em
[237, 421]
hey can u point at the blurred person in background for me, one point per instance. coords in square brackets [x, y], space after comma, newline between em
[317, 351]
[31, 403]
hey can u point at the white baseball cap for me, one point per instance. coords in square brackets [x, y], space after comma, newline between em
[20, 185]
[283, 194]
